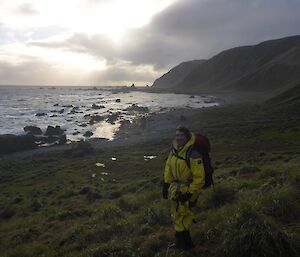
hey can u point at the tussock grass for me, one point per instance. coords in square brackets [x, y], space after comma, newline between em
[252, 211]
[247, 233]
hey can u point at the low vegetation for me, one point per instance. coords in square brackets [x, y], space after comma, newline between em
[83, 203]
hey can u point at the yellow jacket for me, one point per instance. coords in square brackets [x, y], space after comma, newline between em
[180, 177]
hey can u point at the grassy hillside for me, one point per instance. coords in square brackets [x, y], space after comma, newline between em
[173, 77]
[69, 205]
[270, 66]
[290, 96]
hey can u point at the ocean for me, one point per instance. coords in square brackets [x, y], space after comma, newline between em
[72, 108]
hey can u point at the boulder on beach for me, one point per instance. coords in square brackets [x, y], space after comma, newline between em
[118, 100]
[54, 131]
[33, 130]
[88, 134]
[11, 143]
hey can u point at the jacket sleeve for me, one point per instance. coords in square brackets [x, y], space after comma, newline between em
[168, 176]
[198, 174]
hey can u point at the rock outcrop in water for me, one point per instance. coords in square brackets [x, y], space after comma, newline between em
[15, 143]
[136, 108]
[54, 131]
[33, 130]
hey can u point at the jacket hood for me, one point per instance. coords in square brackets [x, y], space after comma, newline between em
[182, 150]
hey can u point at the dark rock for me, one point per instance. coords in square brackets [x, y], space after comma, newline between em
[53, 116]
[192, 96]
[88, 134]
[61, 111]
[113, 118]
[118, 100]
[82, 125]
[136, 108]
[55, 105]
[12, 143]
[54, 131]
[33, 130]
[62, 140]
[68, 106]
[97, 107]
[39, 114]
[125, 122]
[76, 133]
[96, 118]
[74, 110]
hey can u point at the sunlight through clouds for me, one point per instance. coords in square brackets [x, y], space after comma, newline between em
[128, 41]
[27, 25]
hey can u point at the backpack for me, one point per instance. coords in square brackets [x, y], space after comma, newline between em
[202, 145]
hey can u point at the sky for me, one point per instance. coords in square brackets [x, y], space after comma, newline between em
[120, 42]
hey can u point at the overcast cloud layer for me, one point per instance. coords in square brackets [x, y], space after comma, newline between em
[136, 45]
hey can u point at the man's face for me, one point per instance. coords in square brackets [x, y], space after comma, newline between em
[180, 138]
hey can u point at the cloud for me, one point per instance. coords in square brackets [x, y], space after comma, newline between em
[185, 30]
[194, 29]
[26, 9]
[199, 29]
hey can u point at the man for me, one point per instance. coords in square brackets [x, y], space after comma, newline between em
[184, 178]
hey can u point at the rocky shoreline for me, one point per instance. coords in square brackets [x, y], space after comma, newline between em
[144, 128]
[132, 123]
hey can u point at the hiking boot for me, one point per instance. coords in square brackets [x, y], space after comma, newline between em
[183, 240]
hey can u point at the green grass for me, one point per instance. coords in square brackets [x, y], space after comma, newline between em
[64, 205]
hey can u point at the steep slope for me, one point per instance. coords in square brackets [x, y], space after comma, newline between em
[269, 66]
[176, 74]
[290, 96]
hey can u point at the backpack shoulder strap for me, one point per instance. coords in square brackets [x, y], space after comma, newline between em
[194, 154]
[175, 154]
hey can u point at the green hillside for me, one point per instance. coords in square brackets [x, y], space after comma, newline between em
[67, 204]
[270, 66]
